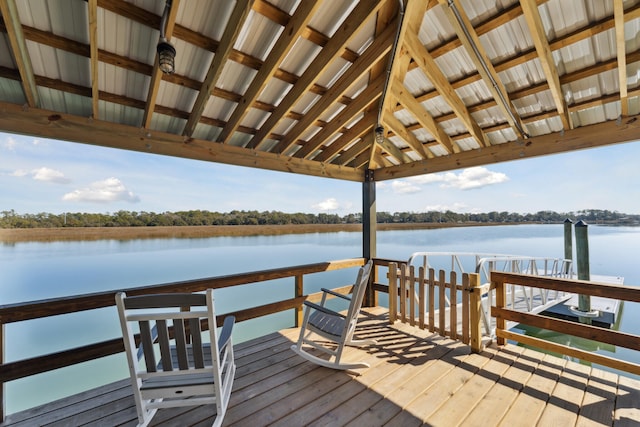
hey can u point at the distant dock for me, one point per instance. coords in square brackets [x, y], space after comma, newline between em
[608, 308]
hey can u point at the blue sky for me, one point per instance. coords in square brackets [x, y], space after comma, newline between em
[41, 175]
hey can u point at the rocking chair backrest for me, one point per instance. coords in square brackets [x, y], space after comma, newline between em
[357, 296]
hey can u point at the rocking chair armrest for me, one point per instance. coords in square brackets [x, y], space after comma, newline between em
[337, 294]
[323, 309]
[225, 333]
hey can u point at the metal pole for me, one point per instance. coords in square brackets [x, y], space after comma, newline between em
[582, 255]
[369, 232]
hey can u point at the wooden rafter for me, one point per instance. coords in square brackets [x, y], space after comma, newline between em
[534, 22]
[618, 13]
[231, 33]
[429, 67]
[471, 42]
[596, 135]
[364, 125]
[92, 5]
[290, 34]
[18, 47]
[157, 74]
[363, 142]
[360, 103]
[422, 116]
[336, 44]
[399, 62]
[371, 57]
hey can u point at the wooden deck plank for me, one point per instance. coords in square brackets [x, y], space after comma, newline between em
[415, 377]
[495, 403]
[564, 404]
[454, 410]
[530, 403]
[599, 399]
[627, 411]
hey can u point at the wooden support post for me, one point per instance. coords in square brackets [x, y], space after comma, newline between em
[501, 302]
[300, 308]
[582, 257]
[393, 292]
[369, 229]
[3, 390]
[568, 242]
[475, 315]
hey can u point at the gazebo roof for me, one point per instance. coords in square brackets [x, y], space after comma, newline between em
[301, 86]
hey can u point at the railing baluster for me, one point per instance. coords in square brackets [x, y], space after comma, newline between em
[299, 292]
[453, 309]
[421, 303]
[412, 296]
[432, 297]
[441, 303]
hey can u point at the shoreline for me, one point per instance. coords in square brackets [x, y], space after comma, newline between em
[13, 235]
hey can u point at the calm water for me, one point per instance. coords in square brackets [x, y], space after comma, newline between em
[32, 271]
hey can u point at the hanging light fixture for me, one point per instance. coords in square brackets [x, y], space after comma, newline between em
[166, 52]
[379, 134]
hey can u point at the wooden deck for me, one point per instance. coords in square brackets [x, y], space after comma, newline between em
[415, 378]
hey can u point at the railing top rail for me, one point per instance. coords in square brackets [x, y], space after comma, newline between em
[583, 287]
[70, 304]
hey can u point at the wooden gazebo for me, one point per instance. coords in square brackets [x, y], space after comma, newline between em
[363, 91]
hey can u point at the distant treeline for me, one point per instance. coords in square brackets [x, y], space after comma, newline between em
[11, 219]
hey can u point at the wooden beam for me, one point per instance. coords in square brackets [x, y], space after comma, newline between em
[413, 16]
[231, 33]
[371, 57]
[356, 19]
[287, 39]
[52, 124]
[92, 5]
[538, 34]
[411, 19]
[19, 50]
[157, 74]
[365, 124]
[422, 116]
[618, 13]
[429, 67]
[364, 142]
[584, 137]
[359, 104]
[477, 54]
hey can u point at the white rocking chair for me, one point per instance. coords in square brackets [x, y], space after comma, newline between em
[335, 327]
[189, 372]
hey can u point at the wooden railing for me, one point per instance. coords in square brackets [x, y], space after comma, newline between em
[502, 314]
[437, 302]
[10, 313]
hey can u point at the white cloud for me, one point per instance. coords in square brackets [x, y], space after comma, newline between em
[20, 172]
[455, 207]
[470, 178]
[330, 204]
[49, 175]
[404, 187]
[108, 190]
[10, 143]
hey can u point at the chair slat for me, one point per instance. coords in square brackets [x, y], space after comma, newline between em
[196, 343]
[146, 341]
[165, 348]
[181, 343]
